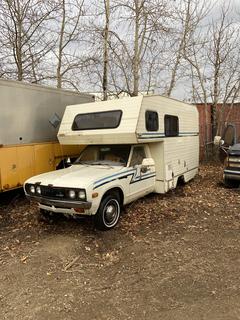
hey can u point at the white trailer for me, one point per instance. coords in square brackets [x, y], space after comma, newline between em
[134, 146]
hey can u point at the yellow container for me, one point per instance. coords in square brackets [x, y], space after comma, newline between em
[20, 162]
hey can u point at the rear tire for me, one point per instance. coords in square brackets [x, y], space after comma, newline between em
[108, 212]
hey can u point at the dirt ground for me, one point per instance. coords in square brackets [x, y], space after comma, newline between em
[173, 256]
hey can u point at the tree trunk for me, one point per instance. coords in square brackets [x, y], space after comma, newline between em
[106, 49]
[136, 52]
[60, 47]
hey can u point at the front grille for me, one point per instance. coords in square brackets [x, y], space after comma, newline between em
[53, 192]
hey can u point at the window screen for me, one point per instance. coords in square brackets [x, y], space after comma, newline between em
[97, 120]
[151, 120]
[171, 126]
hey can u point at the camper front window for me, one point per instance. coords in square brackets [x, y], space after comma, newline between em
[97, 120]
[114, 155]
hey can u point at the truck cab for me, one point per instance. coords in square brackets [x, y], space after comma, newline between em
[99, 183]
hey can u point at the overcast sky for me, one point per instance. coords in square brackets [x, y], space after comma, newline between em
[183, 88]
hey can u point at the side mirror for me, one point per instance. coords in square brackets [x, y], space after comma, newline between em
[68, 161]
[148, 162]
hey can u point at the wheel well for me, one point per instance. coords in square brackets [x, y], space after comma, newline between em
[117, 191]
[180, 181]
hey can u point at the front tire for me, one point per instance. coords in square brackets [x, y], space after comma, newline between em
[108, 212]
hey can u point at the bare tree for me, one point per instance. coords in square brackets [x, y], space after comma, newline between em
[187, 16]
[22, 32]
[106, 50]
[68, 30]
[214, 59]
[144, 21]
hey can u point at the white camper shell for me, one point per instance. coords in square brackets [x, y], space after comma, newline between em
[150, 143]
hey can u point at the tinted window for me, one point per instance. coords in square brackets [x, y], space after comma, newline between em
[171, 126]
[151, 119]
[97, 120]
[137, 156]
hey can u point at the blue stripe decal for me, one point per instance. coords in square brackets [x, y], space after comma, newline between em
[146, 176]
[129, 172]
[147, 135]
[113, 175]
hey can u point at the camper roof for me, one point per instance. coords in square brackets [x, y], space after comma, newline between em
[122, 121]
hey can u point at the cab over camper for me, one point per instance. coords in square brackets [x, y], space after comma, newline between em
[135, 146]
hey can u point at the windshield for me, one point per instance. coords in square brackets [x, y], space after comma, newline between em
[114, 155]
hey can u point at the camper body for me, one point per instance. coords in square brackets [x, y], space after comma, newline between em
[30, 118]
[135, 146]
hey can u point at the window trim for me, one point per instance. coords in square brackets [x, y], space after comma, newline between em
[173, 116]
[154, 111]
[98, 112]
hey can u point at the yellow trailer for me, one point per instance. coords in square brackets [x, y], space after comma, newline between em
[29, 119]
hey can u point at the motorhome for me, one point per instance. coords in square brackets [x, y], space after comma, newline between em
[135, 146]
[30, 118]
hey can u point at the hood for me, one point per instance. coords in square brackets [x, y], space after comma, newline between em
[76, 176]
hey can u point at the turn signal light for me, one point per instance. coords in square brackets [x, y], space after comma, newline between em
[95, 195]
[79, 210]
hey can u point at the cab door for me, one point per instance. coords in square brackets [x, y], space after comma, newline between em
[143, 180]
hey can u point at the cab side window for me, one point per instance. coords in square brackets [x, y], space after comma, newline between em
[137, 156]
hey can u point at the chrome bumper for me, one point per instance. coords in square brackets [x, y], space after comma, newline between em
[60, 203]
[232, 174]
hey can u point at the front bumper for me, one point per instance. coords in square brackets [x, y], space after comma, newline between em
[66, 204]
[232, 174]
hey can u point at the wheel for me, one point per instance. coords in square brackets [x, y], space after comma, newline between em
[108, 213]
[231, 183]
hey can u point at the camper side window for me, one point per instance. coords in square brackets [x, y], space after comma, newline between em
[151, 120]
[171, 125]
[137, 156]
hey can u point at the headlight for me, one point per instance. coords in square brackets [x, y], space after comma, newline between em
[38, 189]
[82, 195]
[32, 189]
[72, 194]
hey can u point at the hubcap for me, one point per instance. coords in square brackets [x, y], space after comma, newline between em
[111, 212]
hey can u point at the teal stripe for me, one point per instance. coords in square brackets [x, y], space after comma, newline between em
[114, 175]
